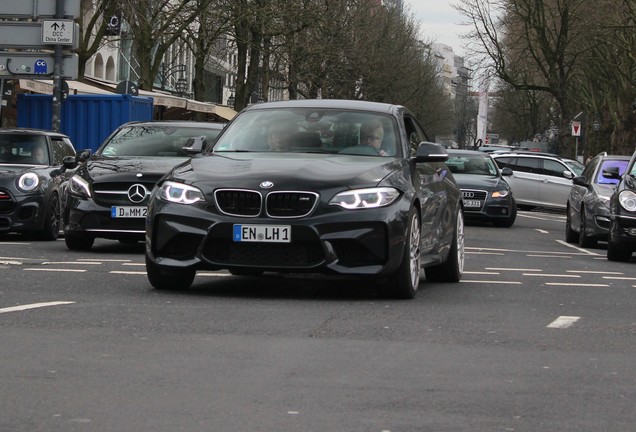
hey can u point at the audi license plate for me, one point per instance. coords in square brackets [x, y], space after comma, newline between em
[472, 203]
[128, 212]
[262, 233]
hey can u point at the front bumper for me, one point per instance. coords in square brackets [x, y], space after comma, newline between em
[361, 242]
[22, 213]
[623, 230]
[83, 217]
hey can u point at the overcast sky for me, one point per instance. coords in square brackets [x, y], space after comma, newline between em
[440, 21]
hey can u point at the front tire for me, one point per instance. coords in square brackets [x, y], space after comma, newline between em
[571, 236]
[584, 240]
[163, 278]
[403, 284]
[78, 243]
[51, 228]
[615, 250]
[453, 268]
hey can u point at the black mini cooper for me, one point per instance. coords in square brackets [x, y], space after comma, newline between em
[32, 180]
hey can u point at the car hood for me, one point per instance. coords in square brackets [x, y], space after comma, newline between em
[479, 182]
[117, 169]
[288, 171]
[12, 170]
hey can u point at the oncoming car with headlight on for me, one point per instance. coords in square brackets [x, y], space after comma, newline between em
[622, 231]
[334, 187]
[32, 180]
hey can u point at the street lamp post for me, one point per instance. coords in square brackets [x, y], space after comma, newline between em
[231, 99]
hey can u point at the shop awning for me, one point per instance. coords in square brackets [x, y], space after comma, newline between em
[159, 99]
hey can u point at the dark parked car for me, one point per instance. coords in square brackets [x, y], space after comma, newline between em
[302, 187]
[587, 212]
[539, 179]
[487, 196]
[31, 180]
[108, 195]
[622, 232]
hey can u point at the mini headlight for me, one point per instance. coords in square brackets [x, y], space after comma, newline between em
[627, 199]
[79, 187]
[500, 194]
[365, 198]
[180, 193]
[28, 182]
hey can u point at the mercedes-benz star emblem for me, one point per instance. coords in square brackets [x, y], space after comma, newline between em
[137, 193]
[266, 185]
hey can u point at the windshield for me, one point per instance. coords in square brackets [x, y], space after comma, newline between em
[311, 130]
[23, 149]
[475, 164]
[154, 140]
[576, 167]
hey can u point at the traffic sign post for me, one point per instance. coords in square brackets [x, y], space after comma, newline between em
[576, 132]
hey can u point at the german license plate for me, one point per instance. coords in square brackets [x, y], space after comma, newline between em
[262, 233]
[472, 203]
[128, 212]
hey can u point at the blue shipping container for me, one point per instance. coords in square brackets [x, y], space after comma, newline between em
[86, 119]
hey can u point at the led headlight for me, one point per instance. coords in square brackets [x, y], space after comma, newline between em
[79, 187]
[28, 182]
[365, 198]
[500, 194]
[627, 199]
[180, 193]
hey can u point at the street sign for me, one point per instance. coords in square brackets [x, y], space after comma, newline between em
[576, 128]
[42, 8]
[30, 65]
[58, 32]
[28, 35]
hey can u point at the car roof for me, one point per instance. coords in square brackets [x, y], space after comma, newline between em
[472, 152]
[328, 103]
[533, 154]
[177, 123]
[32, 131]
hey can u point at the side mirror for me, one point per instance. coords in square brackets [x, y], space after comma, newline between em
[506, 171]
[430, 152]
[70, 162]
[83, 155]
[580, 181]
[568, 175]
[194, 145]
[612, 173]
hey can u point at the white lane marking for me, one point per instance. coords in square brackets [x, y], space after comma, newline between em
[481, 273]
[483, 253]
[513, 269]
[215, 274]
[34, 306]
[549, 256]
[542, 231]
[56, 270]
[3, 262]
[104, 260]
[577, 284]
[593, 272]
[127, 272]
[70, 262]
[134, 264]
[585, 251]
[563, 322]
[491, 282]
[552, 275]
[619, 278]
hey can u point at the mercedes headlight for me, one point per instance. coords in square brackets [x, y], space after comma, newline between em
[365, 198]
[180, 193]
[28, 182]
[79, 187]
[627, 199]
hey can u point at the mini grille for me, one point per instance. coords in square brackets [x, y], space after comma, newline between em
[290, 204]
[238, 202]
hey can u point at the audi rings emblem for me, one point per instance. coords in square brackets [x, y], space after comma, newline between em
[137, 193]
[468, 194]
[266, 185]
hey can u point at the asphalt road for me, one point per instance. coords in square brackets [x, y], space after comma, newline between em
[538, 336]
